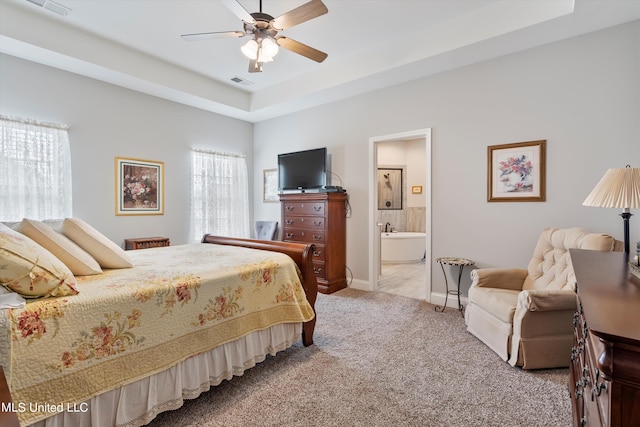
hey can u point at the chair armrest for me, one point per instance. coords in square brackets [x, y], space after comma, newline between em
[547, 300]
[502, 278]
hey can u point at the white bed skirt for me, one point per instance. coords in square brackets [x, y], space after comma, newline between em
[138, 403]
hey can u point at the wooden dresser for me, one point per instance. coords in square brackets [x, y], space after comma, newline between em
[319, 218]
[604, 382]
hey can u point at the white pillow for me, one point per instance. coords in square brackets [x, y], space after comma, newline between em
[107, 253]
[14, 225]
[73, 256]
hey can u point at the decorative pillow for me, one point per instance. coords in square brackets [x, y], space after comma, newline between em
[107, 253]
[73, 256]
[30, 270]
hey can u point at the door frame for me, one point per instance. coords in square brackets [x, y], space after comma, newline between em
[374, 230]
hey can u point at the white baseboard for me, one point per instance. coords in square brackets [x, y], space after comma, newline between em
[363, 285]
[439, 298]
[436, 297]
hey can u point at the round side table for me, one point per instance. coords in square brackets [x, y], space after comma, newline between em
[461, 263]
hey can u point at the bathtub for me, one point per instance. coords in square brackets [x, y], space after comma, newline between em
[403, 246]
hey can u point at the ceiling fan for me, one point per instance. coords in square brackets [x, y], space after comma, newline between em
[263, 29]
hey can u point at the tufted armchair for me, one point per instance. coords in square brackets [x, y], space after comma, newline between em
[526, 315]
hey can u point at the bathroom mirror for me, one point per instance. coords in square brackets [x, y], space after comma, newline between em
[389, 188]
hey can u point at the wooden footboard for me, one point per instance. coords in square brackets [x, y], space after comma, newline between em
[301, 255]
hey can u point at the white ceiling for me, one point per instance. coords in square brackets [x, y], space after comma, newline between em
[371, 44]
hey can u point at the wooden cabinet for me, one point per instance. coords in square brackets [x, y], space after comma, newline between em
[319, 218]
[604, 373]
[146, 242]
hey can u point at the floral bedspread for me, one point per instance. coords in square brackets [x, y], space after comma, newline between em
[127, 324]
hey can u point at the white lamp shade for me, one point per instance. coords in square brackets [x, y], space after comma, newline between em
[269, 48]
[618, 188]
[250, 49]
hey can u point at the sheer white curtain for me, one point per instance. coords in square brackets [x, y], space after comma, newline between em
[35, 170]
[219, 195]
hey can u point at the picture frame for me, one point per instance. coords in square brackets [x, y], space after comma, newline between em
[517, 172]
[270, 186]
[139, 187]
[416, 189]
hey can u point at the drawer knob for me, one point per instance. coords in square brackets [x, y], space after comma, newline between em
[289, 208]
[289, 221]
[290, 235]
[317, 253]
[317, 270]
[317, 222]
[317, 208]
[315, 236]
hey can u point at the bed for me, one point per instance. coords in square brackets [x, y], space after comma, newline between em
[137, 341]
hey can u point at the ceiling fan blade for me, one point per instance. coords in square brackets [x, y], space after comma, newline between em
[300, 14]
[301, 49]
[255, 66]
[214, 35]
[239, 11]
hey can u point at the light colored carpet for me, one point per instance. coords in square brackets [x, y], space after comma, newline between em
[383, 360]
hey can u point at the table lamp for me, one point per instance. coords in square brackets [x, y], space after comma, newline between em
[618, 188]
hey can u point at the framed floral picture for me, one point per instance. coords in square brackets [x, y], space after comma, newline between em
[139, 187]
[516, 172]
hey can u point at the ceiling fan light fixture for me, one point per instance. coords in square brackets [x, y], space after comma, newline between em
[260, 49]
[250, 49]
[269, 47]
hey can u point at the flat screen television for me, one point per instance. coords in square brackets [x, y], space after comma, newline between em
[302, 170]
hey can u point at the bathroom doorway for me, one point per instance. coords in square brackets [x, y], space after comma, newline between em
[400, 201]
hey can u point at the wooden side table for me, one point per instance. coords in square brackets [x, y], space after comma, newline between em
[146, 242]
[461, 263]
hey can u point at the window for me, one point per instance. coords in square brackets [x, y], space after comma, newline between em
[219, 195]
[35, 170]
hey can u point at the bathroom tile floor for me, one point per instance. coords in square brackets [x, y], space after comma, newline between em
[409, 280]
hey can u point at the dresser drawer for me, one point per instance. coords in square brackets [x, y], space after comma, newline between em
[319, 270]
[298, 208]
[318, 253]
[598, 392]
[297, 235]
[314, 223]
